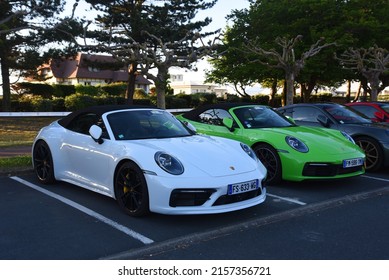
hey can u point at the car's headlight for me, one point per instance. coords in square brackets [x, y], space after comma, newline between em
[296, 144]
[348, 137]
[169, 163]
[249, 151]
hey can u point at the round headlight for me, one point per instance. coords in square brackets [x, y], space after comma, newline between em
[249, 151]
[169, 163]
[296, 144]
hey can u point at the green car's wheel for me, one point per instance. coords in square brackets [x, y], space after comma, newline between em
[373, 152]
[43, 162]
[131, 190]
[270, 159]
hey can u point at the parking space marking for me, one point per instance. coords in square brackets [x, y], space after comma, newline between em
[375, 178]
[287, 199]
[129, 232]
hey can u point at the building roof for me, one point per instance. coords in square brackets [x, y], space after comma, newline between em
[79, 67]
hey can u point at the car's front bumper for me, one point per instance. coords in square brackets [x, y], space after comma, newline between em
[204, 196]
[325, 167]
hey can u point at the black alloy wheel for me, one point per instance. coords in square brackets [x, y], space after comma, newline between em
[373, 152]
[270, 159]
[131, 190]
[43, 162]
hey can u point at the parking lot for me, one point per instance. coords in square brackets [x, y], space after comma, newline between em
[342, 219]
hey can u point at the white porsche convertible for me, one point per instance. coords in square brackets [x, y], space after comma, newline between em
[148, 161]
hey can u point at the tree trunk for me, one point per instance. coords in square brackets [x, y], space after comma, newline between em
[131, 83]
[348, 93]
[6, 106]
[374, 85]
[273, 93]
[289, 88]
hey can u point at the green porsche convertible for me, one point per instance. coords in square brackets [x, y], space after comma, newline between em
[288, 151]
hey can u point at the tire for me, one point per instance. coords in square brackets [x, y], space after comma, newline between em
[270, 159]
[43, 163]
[131, 190]
[373, 152]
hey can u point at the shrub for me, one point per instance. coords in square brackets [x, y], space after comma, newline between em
[187, 98]
[87, 90]
[115, 89]
[58, 104]
[140, 93]
[79, 101]
[173, 102]
[63, 90]
[261, 99]
[41, 105]
[44, 90]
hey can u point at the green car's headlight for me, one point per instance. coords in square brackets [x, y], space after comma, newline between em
[348, 137]
[169, 163]
[296, 144]
[249, 151]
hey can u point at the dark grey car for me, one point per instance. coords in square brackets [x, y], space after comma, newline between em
[372, 137]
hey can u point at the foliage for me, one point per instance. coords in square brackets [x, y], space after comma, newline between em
[86, 90]
[149, 35]
[79, 101]
[359, 23]
[140, 93]
[23, 28]
[43, 90]
[115, 89]
[63, 90]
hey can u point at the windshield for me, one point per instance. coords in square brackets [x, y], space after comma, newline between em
[146, 124]
[346, 115]
[260, 117]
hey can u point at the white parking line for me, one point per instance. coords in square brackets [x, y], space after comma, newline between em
[87, 211]
[375, 178]
[287, 199]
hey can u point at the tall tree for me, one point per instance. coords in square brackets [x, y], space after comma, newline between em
[148, 35]
[21, 28]
[286, 59]
[371, 63]
[357, 23]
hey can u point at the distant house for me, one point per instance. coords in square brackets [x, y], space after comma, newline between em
[179, 85]
[78, 70]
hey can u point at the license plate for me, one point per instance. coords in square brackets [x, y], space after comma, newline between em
[243, 187]
[352, 162]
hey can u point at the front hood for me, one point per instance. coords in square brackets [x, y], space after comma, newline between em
[212, 155]
[320, 140]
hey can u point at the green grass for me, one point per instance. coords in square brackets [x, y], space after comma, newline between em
[20, 131]
[18, 161]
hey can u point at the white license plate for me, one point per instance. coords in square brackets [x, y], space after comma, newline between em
[243, 187]
[352, 162]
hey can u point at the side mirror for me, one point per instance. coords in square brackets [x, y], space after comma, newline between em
[96, 132]
[323, 120]
[228, 122]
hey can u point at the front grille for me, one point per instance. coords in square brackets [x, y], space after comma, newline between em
[189, 197]
[228, 199]
[327, 170]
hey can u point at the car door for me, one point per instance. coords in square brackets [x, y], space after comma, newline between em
[88, 162]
